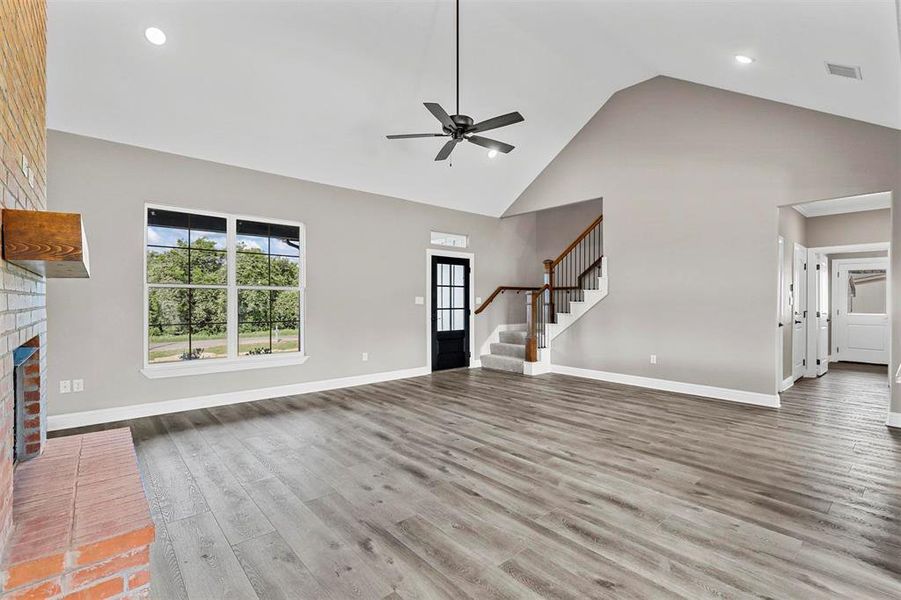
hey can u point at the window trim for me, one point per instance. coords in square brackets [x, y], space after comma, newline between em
[233, 362]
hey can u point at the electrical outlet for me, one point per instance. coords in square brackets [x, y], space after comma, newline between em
[65, 386]
[478, 299]
[653, 359]
[365, 356]
[78, 385]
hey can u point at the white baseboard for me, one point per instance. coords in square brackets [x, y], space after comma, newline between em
[787, 383]
[707, 391]
[894, 419]
[121, 413]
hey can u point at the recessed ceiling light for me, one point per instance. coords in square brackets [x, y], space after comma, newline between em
[743, 60]
[155, 36]
[492, 153]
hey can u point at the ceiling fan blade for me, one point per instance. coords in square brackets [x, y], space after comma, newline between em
[501, 121]
[447, 149]
[440, 114]
[490, 144]
[406, 136]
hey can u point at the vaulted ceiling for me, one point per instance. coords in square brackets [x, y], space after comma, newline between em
[309, 89]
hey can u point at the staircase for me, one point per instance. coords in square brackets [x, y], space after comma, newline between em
[507, 354]
[573, 283]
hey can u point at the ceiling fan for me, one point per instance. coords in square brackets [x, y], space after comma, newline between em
[460, 127]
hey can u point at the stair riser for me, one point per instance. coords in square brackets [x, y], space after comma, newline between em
[502, 363]
[513, 337]
[514, 350]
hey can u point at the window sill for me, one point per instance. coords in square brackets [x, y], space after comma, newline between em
[183, 369]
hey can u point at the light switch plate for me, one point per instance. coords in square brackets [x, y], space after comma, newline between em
[365, 356]
[65, 386]
[419, 300]
[78, 385]
[478, 299]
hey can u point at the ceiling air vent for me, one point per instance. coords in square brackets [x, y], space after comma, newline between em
[843, 71]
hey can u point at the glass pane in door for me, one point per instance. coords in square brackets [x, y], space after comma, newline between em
[866, 291]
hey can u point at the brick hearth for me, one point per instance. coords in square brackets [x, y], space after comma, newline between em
[81, 523]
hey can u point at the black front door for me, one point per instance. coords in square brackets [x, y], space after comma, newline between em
[450, 312]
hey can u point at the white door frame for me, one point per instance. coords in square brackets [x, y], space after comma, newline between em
[801, 305]
[812, 253]
[875, 262]
[429, 253]
[780, 310]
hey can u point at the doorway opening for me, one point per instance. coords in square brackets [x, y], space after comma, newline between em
[449, 310]
[834, 287]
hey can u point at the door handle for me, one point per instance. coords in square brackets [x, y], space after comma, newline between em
[797, 322]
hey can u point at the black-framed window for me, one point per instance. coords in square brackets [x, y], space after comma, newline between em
[221, 287]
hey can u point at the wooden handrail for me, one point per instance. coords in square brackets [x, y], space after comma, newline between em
[575, 242]
[500, 290]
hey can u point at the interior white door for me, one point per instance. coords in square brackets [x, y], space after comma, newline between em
[861, 321]
[822, 303]
[799, 312]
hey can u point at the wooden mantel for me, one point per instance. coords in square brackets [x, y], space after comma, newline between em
[52, 244]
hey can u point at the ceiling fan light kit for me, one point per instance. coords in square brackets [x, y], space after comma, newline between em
[459, 127]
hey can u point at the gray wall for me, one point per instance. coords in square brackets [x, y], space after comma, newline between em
[850, 228]
[792, 227]
[691, 178]
[366, 261]
[556, 228]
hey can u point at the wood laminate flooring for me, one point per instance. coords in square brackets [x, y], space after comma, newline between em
[480, 484]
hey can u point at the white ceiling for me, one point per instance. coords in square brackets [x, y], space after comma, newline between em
[838, 206]
[309, 89]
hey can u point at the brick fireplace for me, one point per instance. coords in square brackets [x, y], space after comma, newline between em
[74, 521]
[23, 160]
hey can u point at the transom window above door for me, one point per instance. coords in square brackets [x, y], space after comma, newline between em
[221, 292]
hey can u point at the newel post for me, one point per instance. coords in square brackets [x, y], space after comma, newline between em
[532, 323]
[549, 280]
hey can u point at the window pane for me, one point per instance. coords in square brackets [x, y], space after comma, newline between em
[208, 240]
[285, 306]
[285, 337]
[208, 267]
[443, 318]
[167, 306]
[208, 306]
[458, 320]
[458, 274]
[284, 240]
[208, 341]
[252, 237]
[458, 298]
[444, 278]
[252, 269]
[167, 265]
[444, 297]
[285, 271]
[253, 339]
[167, 344]
[866, 291]
[457, 240]
[253, 306]
[167, 236]
[167, 228]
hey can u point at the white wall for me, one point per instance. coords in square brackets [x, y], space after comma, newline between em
[366, 261]
[691, 178]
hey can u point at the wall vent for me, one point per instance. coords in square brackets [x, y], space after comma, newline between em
[843, 71]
